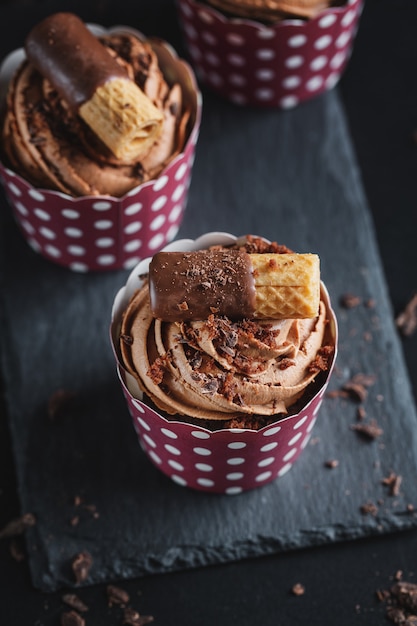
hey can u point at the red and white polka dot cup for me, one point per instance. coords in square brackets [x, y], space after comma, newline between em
[227, 461]
[101, 233]
[278, 65]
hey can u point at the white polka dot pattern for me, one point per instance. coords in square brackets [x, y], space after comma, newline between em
[275, 66]
[106, 233]
[103, 234]
[225, 461]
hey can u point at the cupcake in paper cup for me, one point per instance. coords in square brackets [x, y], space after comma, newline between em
[224, 348]
[99, 128]
[274, 53]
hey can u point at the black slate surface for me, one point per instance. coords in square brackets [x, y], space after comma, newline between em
[306, 194]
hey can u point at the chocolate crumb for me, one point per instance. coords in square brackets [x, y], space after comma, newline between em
[133, 618]
[298, 589]
[116, 595]
[349, 301]
[393, 481]
[72, 618]
[361, 413]
[407, 320]
[337, 393]
[127, 339]
[332, 463]
[91, 508]
[355, 388]
[406, 595]
[369, 508]
[356, 391]
[382, 594]
[72, 600]
[398, 575]
[81, 566]
[17, 526]
[364, 379]
[370, 430]
[396, 615]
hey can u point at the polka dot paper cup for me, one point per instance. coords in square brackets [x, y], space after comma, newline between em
[227, 461]
[278, 65]
[99, 233]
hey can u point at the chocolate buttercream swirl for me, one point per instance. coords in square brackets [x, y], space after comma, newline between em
[219, 369]
[46, 142]
[270, 11]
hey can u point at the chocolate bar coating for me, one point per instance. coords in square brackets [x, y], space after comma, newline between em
[74, 61]
[193, 285]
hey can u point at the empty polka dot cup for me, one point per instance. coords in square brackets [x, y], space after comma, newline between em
[107, 232]
[276, 65]
[212, 458]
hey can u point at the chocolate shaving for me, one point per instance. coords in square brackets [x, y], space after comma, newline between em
[337, 393]
[370, 430]
[72, 618]
[210, 387]
[356, 392]
[407, 320]
[361, 413]
[116, 595]
[356, 388]
[401, 601]
[382, 594]
[298, 589]
[331, 463]
[396, 615]
[349, 301]
[393, 481]
[157, 370]
[369, 508]
[72, 600]
[133, 618]
[17, 526]
[406, 594]
[364, 379]
[81, 566]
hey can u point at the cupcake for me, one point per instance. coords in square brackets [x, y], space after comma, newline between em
[98, 138]
[269, 54]
[224, 348]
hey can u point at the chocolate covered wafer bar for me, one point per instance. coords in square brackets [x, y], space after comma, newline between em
[94, 84]
[194, 285]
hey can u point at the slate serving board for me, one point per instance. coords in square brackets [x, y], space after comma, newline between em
[292, 177]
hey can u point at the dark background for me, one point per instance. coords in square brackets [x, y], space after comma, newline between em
[379, 92]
